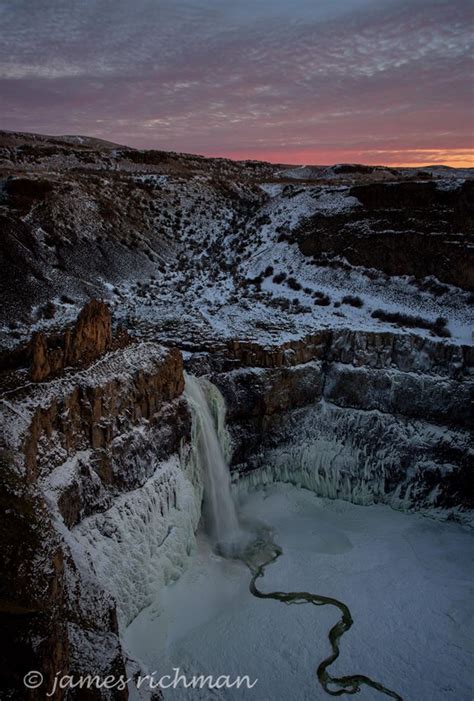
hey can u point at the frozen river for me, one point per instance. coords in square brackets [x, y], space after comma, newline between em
[406, 579]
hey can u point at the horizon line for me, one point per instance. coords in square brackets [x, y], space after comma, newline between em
[235, 157]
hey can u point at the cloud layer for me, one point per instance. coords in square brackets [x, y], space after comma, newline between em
[379, 81]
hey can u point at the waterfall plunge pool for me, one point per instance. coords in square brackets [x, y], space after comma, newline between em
[406, 580]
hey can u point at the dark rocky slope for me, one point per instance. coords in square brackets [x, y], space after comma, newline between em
[407, 228]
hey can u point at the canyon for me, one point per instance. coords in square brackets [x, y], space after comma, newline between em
[328, 309]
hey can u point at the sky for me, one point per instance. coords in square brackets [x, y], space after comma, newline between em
[293, 81]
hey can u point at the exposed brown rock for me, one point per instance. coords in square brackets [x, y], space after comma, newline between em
[92, 335]
[285, 355]
[40, 612]
[40, 365]
[381, 350]
[90, 338]
[90, 415]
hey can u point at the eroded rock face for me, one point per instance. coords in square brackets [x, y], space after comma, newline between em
[90, 338]
[362, 456]
[378, 350]
[71, 447]
[406, 228]
[32, 591]
[95, 411]
[401, 408]
[92, 334]
[354, 415]
[47, 598]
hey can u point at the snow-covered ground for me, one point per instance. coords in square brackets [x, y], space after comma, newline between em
[203, 300]
[224, 270]
[406, 579]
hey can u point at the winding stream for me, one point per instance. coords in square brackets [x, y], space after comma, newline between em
[349, 684]
[208, 621]
[209, 411]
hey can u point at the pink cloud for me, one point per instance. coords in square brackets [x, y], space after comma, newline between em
[328, 81]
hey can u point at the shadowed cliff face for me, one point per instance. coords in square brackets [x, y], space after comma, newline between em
[401, 229]
[359, 416]
[70, 447]
[32, 594]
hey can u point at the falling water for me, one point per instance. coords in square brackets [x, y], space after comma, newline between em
[259, 550]
[219, 508]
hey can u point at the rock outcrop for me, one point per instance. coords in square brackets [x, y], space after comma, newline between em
[383, 350]
[402, 229]
[90, 338]
[55, 617]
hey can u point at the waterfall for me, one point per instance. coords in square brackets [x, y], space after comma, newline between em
[219, 508]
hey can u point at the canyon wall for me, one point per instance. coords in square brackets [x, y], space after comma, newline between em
[315, 299]
[353, 415]
[80, 454]
[410, 228]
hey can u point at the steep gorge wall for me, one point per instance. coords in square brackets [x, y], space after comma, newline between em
[75, 451]
[404, 228]
[354, 415]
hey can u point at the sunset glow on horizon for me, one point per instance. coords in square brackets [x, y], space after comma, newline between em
[409, 159]
[382, 82]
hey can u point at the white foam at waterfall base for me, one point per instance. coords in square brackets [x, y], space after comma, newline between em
[405, 578]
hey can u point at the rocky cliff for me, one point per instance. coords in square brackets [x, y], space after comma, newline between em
[88, 340]
[406, 228]
[71, 447]
[352, 415]
[94, 468]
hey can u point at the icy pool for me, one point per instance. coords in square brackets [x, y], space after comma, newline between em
[406, 579]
